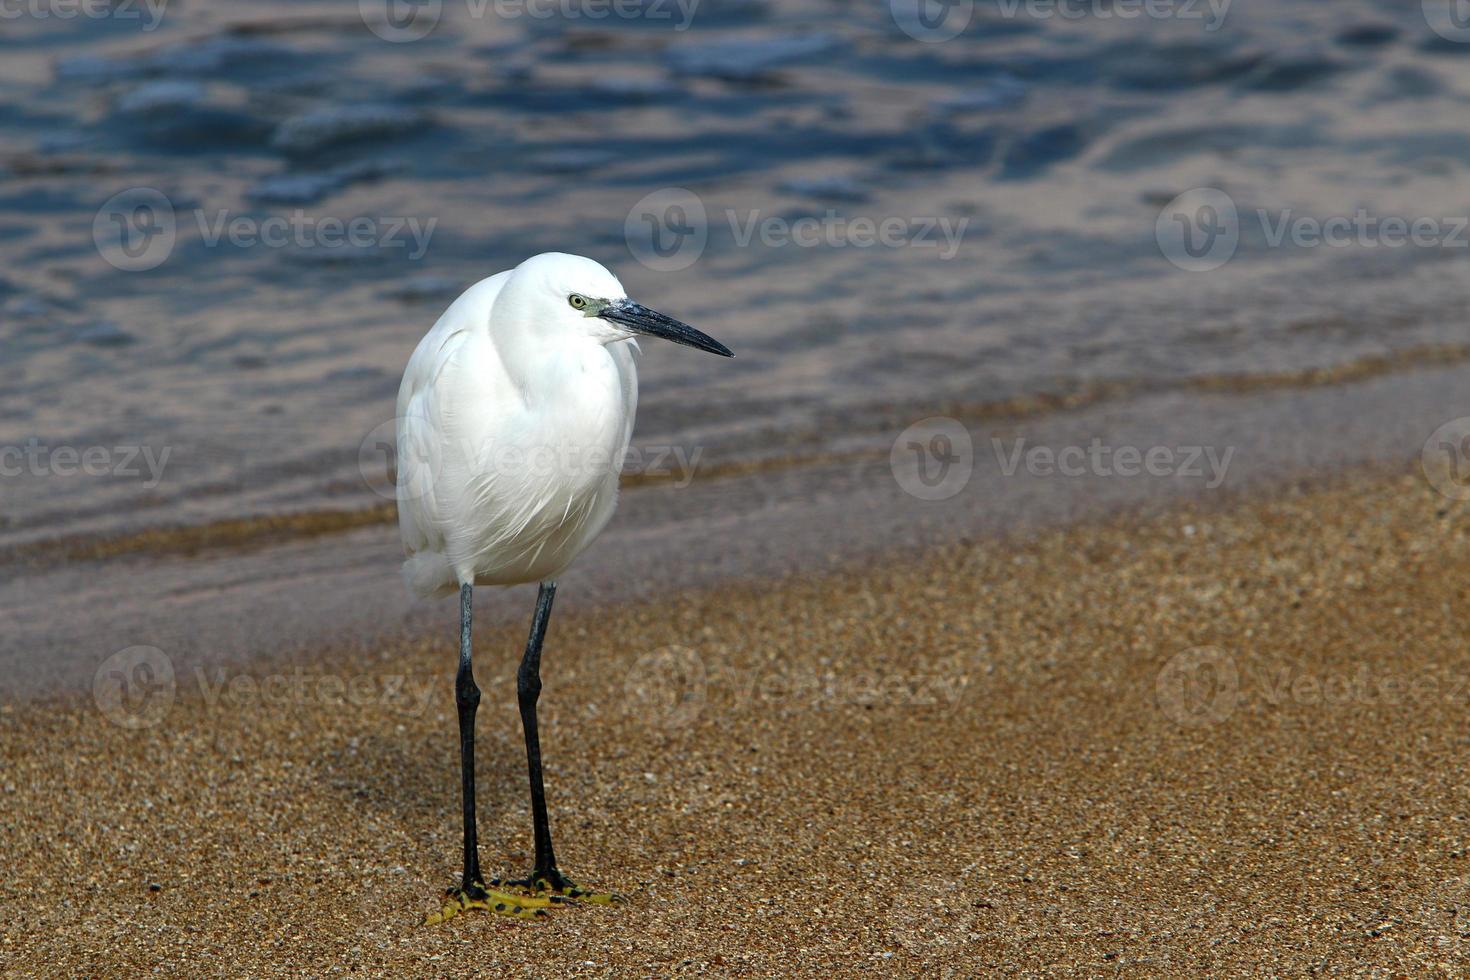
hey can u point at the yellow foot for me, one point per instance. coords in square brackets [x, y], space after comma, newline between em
[477, 896]
[556, 885]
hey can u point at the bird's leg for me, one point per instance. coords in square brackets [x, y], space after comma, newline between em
[472, 893]
[545, 876]
[528, 693]
[467, 699]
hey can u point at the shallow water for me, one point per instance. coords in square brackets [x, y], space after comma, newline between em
[224, 354]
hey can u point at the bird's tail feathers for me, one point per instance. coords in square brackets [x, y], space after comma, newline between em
[429, 575]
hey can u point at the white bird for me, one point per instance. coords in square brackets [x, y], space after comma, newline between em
[514, 416]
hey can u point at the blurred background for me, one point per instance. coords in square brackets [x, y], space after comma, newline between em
[224, 226]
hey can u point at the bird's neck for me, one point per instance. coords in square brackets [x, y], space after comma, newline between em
[554, 372]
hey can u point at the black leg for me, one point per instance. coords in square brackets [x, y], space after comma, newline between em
[472, 893]
[545, 876]
[467, 698]
[528, 691]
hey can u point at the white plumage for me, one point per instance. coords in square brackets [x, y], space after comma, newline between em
[514, 417]
[511, 435]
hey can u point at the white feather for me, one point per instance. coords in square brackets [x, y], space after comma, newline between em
[514, 417]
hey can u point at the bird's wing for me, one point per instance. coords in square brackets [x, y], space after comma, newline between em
[624, 356]
[422, 421]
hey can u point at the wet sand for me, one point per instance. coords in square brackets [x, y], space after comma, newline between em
[1223, 741]
[217, 596]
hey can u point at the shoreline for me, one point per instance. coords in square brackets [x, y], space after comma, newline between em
[1064, 575]
[224, 608]
[261, 529]
[1002, 754]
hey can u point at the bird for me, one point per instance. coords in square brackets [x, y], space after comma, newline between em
[513, 419]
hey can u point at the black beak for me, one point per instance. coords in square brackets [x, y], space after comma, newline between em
[651, 323]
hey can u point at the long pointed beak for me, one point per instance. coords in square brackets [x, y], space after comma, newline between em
[651, 323]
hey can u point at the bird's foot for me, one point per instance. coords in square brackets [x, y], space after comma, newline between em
[555, 885]
[475, 895]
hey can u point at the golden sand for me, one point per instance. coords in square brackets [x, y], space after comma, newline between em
[1227, 742]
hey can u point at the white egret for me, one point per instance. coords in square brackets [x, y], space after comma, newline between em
[513, 420]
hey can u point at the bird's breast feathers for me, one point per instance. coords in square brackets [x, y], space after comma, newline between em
[521, 479]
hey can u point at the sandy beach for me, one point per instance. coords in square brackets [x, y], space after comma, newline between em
[1222, 741]
[891, 661]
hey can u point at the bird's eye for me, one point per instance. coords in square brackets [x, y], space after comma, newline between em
[578, 301]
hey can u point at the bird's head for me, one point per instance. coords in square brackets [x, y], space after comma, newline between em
[576, 296]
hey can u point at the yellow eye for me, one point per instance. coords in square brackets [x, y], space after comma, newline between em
[578, 301]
